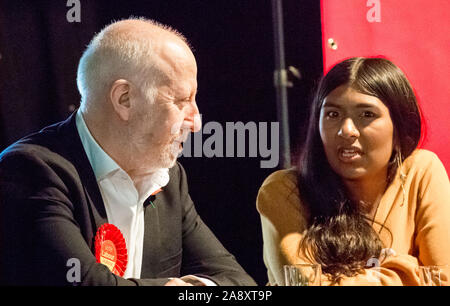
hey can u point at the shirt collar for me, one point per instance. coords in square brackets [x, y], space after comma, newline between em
[104, 166]
[101, 162]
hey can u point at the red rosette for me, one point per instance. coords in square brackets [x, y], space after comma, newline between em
[111, 249]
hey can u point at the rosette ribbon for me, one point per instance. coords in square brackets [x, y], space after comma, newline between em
[111, 249]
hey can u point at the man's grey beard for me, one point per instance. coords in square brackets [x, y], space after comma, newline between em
[169, 156]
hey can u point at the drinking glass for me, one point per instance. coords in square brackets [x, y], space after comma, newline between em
[434, 275]
[302, 275]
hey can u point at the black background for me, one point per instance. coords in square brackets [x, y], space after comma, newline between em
[233, 44]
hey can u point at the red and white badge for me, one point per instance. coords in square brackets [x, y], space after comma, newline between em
[111, 249]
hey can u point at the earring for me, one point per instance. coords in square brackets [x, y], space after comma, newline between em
[399, 159]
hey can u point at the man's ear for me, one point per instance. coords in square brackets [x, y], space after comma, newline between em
[120, 98]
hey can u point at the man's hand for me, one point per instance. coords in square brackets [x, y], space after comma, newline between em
[177, 282]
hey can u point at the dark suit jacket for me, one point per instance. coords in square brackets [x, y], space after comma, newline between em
[51, 208]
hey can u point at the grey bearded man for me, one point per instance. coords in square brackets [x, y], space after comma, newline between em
[103, 187]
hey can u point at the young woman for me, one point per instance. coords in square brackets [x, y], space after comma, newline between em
[362, 194]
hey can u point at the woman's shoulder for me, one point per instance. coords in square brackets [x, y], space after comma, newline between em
[278, 190]
[422, 160]
[285, 177]
[423, 169]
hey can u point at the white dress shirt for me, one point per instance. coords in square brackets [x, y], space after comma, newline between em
[124, 202]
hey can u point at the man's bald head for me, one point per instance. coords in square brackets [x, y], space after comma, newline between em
[128, 49]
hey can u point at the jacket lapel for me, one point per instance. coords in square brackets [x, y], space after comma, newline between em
[78, 157]
[152, 241]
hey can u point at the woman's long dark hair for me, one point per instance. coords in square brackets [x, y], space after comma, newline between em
[339, 236]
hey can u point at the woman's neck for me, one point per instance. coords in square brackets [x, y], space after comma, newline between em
[368, 192]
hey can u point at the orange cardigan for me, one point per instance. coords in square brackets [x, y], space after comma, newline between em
[419, 220]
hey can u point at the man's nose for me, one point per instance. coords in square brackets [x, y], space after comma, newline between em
[192, 119]
[348, 129]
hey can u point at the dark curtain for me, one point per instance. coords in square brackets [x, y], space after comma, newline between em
[233, 44]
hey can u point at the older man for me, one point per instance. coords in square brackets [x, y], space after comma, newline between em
[99, 198]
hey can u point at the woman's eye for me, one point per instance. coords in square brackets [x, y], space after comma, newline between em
[368, 114]
[332, 114]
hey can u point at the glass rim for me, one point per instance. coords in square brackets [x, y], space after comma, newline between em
[302, 264]
[435, 266]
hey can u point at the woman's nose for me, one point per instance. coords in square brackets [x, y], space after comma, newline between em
[348, 129]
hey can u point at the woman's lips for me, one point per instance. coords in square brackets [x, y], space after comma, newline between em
[348, 155]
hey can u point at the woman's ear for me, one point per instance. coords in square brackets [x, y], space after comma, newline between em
[120, 98]
[396, 148]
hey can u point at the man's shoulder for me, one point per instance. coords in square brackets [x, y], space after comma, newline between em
[46, 145]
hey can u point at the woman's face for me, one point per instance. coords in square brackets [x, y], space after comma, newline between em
[357, 134]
